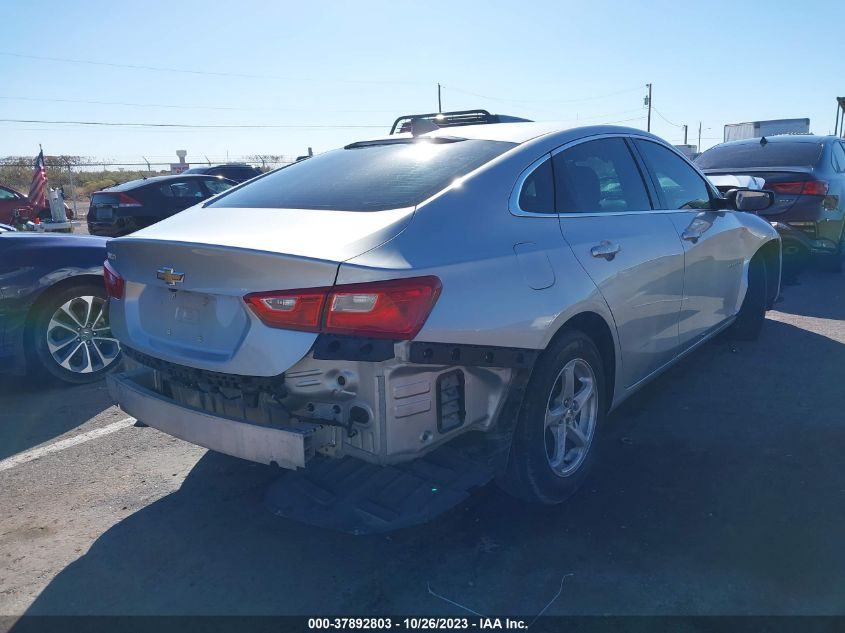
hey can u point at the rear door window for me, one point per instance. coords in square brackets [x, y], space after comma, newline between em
[681, 186]
[599, 176]
[367, 176]
[245, 173]
[182, 189]
[538, 190]
[216, 185]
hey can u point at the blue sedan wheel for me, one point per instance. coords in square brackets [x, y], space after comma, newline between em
[71, 336]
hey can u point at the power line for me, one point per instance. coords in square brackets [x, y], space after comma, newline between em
[188, 107]
[601, 116]
[639, 118]
[665, 119]
[194, 125]
[579, 100]
[188, 71]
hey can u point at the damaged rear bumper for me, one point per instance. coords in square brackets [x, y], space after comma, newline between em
[264, 444]
[382, 412]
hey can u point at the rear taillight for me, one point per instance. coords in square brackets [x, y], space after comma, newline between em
[124, 200]
[114, 282]
[292, 310]
[393, 309]
[801, 187]
[386, 309]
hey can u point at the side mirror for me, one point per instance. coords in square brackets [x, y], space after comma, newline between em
[750, 199]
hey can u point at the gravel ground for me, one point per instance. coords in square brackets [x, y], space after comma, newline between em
[718, 489]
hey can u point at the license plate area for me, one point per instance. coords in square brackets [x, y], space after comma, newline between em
[104, 213]
[188, 322]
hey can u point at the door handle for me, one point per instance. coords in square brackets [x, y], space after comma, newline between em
[605, 249]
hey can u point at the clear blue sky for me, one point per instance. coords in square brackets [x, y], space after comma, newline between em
[364, 63]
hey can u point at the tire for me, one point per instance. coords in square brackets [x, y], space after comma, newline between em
[833, 263]
[70, 341]
[752, 314]
[538, 471]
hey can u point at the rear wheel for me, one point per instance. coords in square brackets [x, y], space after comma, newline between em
[833, 263]
[752, 314]
[70, 334]
[561, 413]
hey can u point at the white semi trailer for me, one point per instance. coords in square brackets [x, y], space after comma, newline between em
[756, 129]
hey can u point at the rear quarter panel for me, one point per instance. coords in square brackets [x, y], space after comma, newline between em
[467, 237]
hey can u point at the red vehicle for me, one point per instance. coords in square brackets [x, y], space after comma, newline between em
[16, 209]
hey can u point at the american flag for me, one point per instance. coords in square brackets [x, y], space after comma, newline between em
[39, 182]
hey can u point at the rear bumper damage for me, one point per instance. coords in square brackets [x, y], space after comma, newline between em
[134, 390]
[383, 411]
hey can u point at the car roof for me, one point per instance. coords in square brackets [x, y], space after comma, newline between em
[779, 138]
[140, 182]
[521, 132]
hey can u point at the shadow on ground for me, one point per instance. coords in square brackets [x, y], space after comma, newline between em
[718, 489]
[29, 415]
[818, 294]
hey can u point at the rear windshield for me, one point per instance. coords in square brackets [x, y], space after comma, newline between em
[366, 177]
[105, 198]
[749, 155]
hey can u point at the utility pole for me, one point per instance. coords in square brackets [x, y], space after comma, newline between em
[648, 103]
[439, 102]
[699, 137]
[685, 134]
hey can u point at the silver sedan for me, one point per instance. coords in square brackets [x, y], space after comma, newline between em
[506, 284]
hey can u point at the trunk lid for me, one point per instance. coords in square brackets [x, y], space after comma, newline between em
[187, 275]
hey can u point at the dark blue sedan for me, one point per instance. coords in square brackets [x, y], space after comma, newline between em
[53, 308]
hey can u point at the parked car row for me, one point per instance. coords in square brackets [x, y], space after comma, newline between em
[53, 307]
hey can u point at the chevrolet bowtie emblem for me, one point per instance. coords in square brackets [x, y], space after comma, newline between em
[170, 276]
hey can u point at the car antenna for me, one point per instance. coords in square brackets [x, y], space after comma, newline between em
[763, 140]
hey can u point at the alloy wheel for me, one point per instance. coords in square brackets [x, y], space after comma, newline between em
[79, 337]
[570, 420]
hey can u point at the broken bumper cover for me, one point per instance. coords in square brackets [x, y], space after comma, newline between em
[384, 412]
[263, 444]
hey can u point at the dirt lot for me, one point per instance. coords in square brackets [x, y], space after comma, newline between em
[719, 489]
